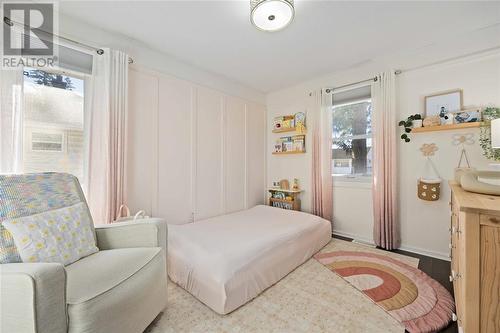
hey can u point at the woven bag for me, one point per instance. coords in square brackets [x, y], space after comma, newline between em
[429, 190]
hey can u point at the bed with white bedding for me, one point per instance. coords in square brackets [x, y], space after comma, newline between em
[228, 260]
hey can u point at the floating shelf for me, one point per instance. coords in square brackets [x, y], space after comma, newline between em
[284, 191]
[446, 127]
[284, 130]
[289, 152]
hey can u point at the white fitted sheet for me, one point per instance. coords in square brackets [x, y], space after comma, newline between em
[228, 260]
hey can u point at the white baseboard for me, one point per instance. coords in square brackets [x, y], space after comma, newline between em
[433, 254]
[364, 240]
[355, 237]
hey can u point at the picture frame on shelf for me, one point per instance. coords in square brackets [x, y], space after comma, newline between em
[440, 104]
[467, 116]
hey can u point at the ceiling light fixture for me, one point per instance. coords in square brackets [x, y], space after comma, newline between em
[271, 15]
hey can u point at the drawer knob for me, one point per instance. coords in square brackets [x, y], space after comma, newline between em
[454, 317]
[494, 220]
[454, 276]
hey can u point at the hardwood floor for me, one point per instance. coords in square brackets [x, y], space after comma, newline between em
[438, 269]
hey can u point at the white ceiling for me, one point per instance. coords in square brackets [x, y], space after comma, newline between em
[326, 36]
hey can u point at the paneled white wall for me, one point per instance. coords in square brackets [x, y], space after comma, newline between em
[194, 152]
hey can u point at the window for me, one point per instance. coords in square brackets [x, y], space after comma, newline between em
[53, 122]
[352, 134]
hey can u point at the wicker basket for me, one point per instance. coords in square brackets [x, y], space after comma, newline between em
[429, 189]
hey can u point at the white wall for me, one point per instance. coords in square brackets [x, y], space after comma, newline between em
[196, 142]
[194, 152]
[147, 57]
[424, 225]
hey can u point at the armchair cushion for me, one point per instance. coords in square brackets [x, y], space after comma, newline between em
[116, 291]
[102, 271]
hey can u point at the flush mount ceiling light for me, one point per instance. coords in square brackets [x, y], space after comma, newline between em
[271, 15]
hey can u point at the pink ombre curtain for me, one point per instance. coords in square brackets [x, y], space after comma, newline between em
[386, 224]
[320, 122]
[107, 112]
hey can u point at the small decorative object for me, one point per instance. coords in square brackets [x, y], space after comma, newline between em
[429, 189]
[279, 195]
[450, 101]
[277, 123]
[278, 147]
[468, 116]
[276, 183]
[449, 119]
[446, 117]
[411, 122]
[288, 122]
[295, 185]
[432, 121]
[284, 184]
[464, 139]
[428, 149]
[298, 142]
[287, 143]
[490, 132]
[300, 122]
[417, 123]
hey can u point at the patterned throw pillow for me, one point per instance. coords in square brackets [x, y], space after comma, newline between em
[62, 235]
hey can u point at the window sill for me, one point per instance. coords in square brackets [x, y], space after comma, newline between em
[355, 182]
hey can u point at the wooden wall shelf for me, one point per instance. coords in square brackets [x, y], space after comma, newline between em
[284, 130]
[445, 127]
[289, 152]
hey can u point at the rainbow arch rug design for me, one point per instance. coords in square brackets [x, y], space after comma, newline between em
[409, 295]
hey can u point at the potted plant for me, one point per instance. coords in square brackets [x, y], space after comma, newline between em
[489, 114]
[413, 121]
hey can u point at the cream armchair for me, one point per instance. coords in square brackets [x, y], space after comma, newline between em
[121, 288]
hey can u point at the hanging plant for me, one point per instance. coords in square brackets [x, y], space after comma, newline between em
[407, 125]
[489, 114]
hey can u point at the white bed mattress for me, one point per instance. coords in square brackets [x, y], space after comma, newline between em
[228, 260]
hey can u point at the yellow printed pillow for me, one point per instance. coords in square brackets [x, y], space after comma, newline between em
[61, 235]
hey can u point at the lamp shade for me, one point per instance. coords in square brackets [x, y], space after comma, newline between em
[495, 133]
[271, 15]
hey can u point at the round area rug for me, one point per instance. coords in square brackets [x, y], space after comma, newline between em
[405, 292]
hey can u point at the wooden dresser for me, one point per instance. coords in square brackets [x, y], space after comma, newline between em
[475, 260]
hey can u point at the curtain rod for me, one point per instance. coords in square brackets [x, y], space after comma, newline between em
[399, 71]
[99, 51]
[375, 79]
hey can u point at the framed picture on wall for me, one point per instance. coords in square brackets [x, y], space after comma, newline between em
[442, 103]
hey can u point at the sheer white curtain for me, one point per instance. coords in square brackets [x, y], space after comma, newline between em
[106, 132]
[385, 214]
[320, 122]
[11, 120]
